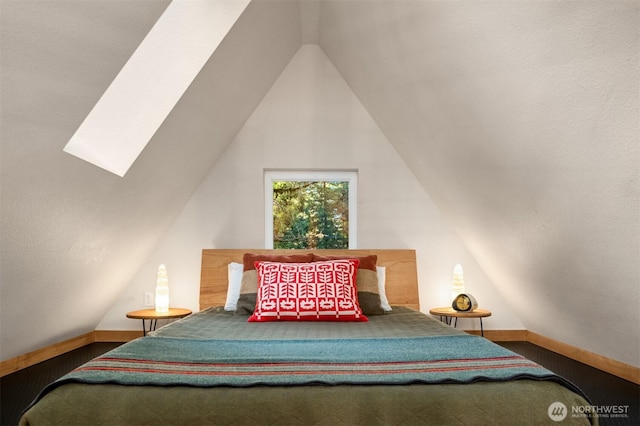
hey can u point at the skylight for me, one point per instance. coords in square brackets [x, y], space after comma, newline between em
[150, 84]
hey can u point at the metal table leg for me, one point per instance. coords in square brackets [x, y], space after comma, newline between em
[152, 326]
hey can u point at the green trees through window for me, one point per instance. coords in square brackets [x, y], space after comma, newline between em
[309, 215]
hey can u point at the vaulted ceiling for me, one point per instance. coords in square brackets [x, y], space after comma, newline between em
[519, 119]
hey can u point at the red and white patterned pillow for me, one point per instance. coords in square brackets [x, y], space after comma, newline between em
[318, 291]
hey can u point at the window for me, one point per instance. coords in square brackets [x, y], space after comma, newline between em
[312, 209]
[151, 83]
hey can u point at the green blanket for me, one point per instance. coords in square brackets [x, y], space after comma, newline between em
[162, 361]
[215, 368]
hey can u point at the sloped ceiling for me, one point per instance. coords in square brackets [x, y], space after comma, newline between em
[520, 119]
[73, 235]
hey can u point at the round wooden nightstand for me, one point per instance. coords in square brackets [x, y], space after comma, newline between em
[447, 313]
[153, 316]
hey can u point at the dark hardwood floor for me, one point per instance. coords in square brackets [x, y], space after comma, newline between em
[17, 390]
[603, 389]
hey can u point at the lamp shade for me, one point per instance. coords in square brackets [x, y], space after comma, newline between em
[458, 281]
[162, 290]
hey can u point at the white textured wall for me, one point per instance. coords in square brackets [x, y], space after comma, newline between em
[311, 120]
[63, 221]
[521, 119]
[74, 235]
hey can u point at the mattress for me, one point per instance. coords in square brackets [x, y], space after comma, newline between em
[214, 367]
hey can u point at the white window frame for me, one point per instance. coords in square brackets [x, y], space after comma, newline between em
[350, 176]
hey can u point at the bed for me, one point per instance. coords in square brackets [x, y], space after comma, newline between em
[391, 368]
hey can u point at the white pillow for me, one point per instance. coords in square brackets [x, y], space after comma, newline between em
[382, 276]
[233, 289]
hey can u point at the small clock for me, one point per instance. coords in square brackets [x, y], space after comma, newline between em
[464, 303]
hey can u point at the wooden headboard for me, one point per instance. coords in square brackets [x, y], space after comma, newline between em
[401, 272]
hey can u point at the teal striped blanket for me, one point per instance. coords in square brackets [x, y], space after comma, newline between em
[165, 361]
